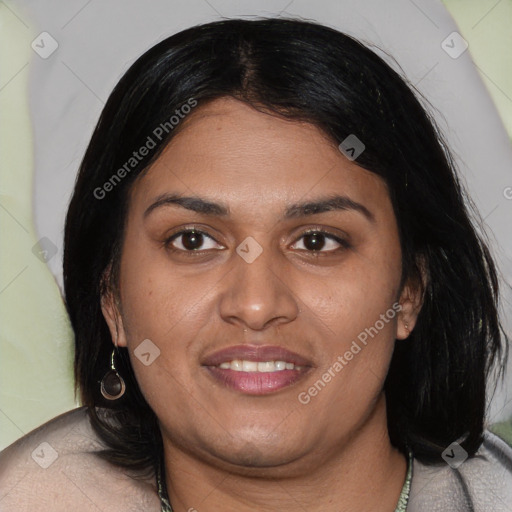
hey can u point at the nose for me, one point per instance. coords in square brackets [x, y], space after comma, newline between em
[257, 294]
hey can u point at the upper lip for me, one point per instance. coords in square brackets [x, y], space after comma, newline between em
[255, 353]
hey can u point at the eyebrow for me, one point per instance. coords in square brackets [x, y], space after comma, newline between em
[206, 207]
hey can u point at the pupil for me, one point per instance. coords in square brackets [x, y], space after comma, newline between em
[192, 240]
[316, 241]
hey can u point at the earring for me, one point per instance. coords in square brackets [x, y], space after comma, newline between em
[112, 384]
[406, 327]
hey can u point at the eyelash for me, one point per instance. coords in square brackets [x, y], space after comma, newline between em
[192, 253]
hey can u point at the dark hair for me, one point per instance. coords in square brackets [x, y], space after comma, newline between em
[436, 385]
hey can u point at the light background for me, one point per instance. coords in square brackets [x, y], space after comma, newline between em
[48, 109]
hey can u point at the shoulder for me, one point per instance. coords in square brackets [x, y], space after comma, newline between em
[55, 468]
[480, 483]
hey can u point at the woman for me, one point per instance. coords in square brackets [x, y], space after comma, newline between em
[278, 298]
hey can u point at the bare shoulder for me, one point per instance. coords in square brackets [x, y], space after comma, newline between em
[55, 468]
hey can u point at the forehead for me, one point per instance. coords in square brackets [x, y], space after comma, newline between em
[229, 151]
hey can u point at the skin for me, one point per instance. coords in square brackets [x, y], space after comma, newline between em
[226, 450]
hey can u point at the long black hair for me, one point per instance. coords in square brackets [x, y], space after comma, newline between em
[436, 385]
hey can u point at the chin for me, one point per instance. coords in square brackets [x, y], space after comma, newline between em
[256, 457]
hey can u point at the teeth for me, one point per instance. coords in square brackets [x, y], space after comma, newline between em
[258, 366]
[267, 366]
[249, 366]
[236, 365]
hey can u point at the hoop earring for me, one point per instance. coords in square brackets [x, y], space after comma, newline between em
[112, 384]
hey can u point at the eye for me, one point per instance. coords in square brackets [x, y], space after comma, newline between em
[193, 241]
[318, 240]
[190, 240]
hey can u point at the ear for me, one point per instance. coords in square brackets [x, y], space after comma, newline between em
[110, 307]
[411, 301]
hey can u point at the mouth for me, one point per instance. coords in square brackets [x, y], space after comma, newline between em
[256, 370]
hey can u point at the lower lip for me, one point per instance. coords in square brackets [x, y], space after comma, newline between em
[256, 383]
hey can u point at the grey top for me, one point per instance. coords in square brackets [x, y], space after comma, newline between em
[482, 483]
[54, 468]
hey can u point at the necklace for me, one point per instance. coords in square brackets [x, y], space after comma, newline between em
[404, 494]
[401, 506]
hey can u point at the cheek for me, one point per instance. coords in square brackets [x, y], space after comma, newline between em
[161, 310]
[361, 315]
[170, 310]
[157, 299]
[356, 293]
[357, 312]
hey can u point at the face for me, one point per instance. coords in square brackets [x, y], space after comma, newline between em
[245, 275]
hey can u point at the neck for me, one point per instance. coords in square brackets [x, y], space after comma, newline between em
[365, 473]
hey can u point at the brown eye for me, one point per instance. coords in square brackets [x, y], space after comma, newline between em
[314, 241]
[190, 240]
[318, 240]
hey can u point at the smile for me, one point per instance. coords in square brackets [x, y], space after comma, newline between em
[257, 382]
[258, 366]
[256, 369]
